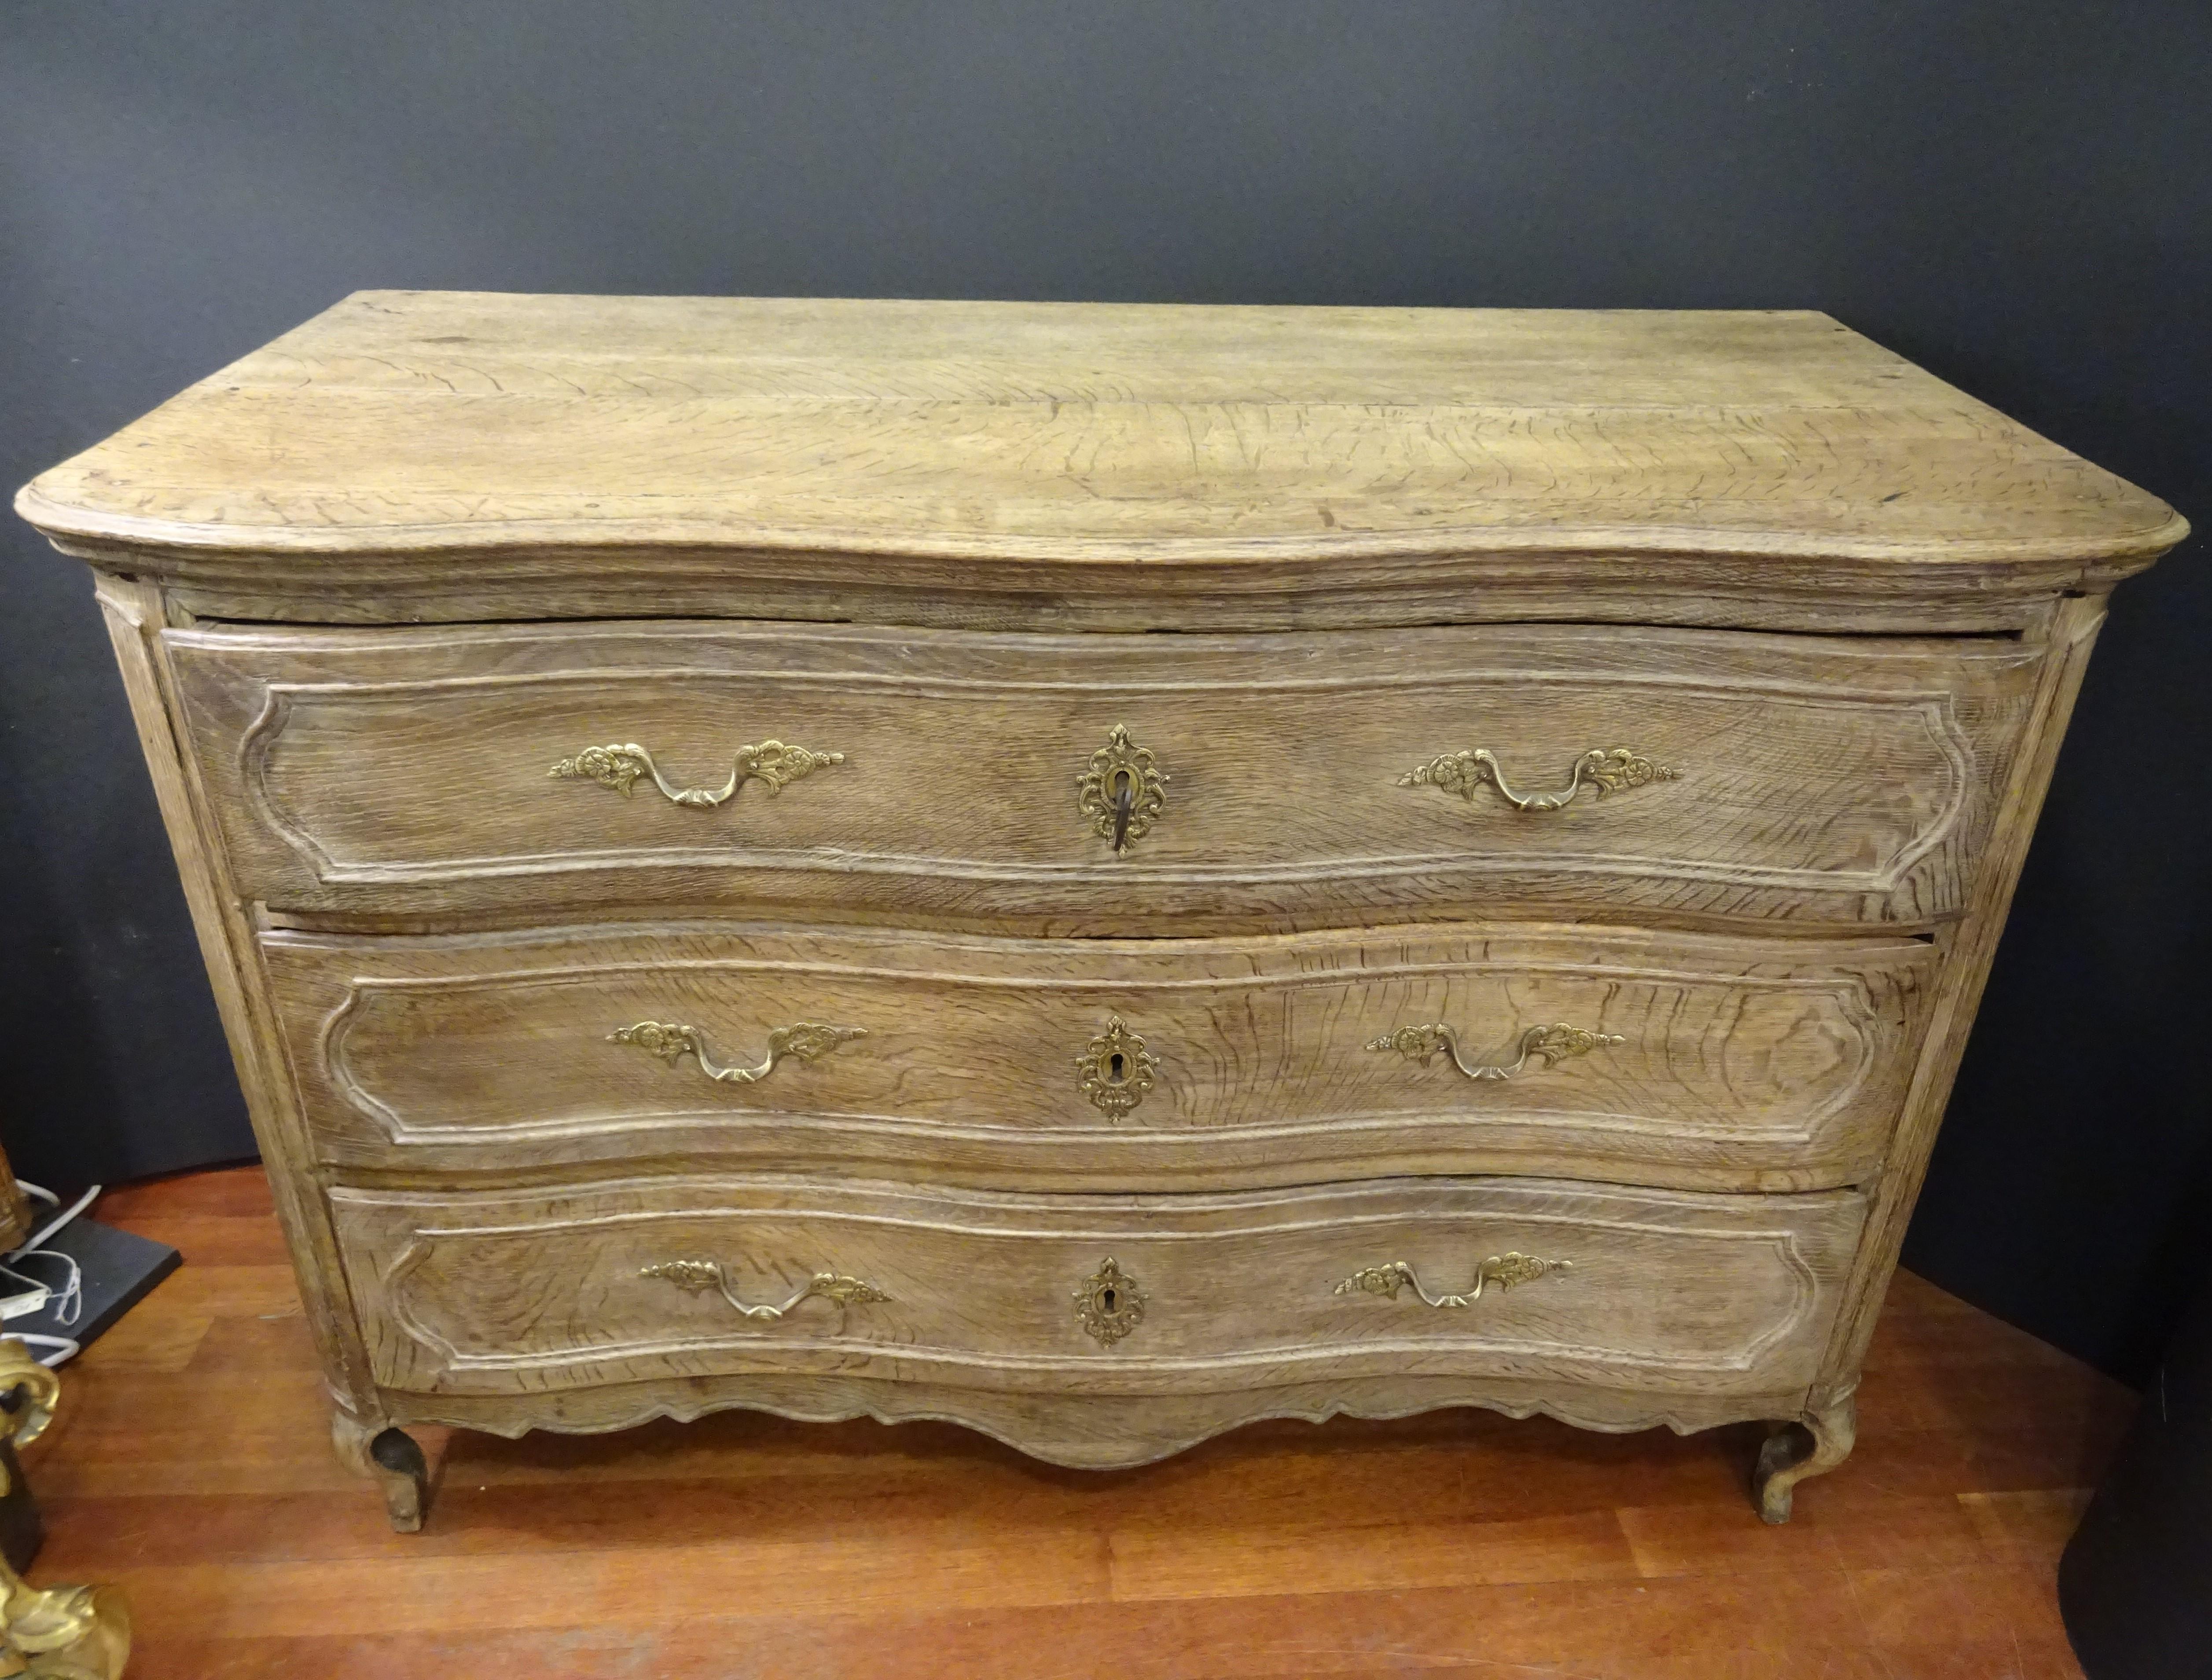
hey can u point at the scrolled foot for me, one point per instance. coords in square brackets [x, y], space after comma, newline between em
[393, 1459]
[406, 1477]
[1816, 1443]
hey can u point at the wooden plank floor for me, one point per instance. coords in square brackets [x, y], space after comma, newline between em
[191, 1463]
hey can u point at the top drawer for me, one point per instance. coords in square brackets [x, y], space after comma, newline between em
[1256, 780]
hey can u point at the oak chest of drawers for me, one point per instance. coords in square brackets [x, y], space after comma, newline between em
[1099, 872]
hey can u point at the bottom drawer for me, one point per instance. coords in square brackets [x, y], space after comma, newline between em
[644, 1280]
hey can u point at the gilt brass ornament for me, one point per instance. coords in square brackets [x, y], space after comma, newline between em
[697, 1276]
[60, 1633]
[1551, 1044]
[1504, 1271]
[771, 763]
[1602, 770]
[804, 1040]
[1115, 1070]
[1123, 791]
[1109, 1303]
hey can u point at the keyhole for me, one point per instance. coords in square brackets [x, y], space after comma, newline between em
[1114, 1068]
[1106, 1298]
[1124, 789]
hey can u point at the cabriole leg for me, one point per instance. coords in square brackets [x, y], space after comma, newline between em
[1816, 1443]
[393, 1459]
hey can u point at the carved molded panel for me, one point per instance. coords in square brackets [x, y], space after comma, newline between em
[1708, 1061]
[1828, 780]
[502, 1293]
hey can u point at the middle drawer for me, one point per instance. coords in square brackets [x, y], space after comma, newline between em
[1700, 1061]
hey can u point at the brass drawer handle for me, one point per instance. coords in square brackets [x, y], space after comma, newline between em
[619, 767]
[1123, 791]
[1554, 1044]
[1502, 1269]
[808, 1041]
[1608, 772]
[694, 1277]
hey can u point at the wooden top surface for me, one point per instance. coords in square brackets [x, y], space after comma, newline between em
[423, 423]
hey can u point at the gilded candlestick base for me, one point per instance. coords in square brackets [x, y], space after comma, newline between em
[61, 1633]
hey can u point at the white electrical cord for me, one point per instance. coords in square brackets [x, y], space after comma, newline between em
[68, 1301]
[72, 1304]
[63, 1349]
[61, 1219]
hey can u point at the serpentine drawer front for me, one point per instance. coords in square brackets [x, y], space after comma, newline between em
[1343, 776]
[627, 1282]
[1099, 872]
[1716, 1061]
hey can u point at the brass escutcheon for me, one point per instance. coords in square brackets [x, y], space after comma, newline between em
[1123, 791]
[1109, 1303]
[1115, 1070]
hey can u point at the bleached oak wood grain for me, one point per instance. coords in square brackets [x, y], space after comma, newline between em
[1743, 1063]
[1822, 779]
[1696, 1294]
[134, 615]
[1971, 948]
[1115, 465]
[1381, 537]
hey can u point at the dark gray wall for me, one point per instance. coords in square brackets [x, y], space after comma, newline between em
[2014, 194]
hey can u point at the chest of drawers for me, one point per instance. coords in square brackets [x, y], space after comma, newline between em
[1101, 872]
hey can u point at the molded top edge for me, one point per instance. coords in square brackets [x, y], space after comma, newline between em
[435, 426]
